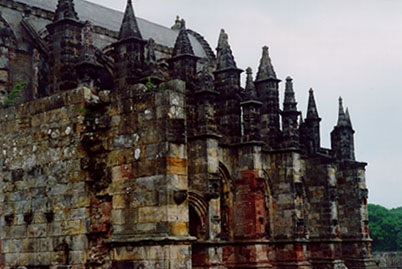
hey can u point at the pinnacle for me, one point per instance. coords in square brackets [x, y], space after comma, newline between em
[182, 45]
[266, 69]
[65, 10]
[250, 87]
[225, 55]
[129, 27]
[343, 119]
[289, 103]
[312, 112]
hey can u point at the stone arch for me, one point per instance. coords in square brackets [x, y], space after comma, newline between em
[198, 212]
[226, 202]
[269, 207]
[8, 43]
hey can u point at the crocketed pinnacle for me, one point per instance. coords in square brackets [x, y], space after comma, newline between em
[129, 27]
[65, 10]
[265, 70]
[312, 112]
[224, 52]
[250, 87]
[289, 103]
[343, 119]
[182, 45]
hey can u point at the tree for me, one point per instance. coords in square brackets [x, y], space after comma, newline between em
[385, 228]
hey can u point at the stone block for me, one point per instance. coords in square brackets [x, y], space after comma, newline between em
[77, 257]
[176, 166]
[178, 228]
[129, 253]
[72, 227]
[37, 230]
[122, 172]
[12, 259]
[118, 217]
[152, 214]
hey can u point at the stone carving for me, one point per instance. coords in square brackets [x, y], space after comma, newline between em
[180, 196]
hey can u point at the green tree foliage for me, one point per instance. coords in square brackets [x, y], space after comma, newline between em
[385, 228]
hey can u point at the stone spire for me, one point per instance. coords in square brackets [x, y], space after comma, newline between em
[266, 70]
[289, 103]
[312, 112]
[227, 83]
[289, 117]
[250, 89]
[65, 10]
[342, 141]
[183, 64]
[225, 56]
[310, 129]
[129, 27]
[342, 119]
[182, 45]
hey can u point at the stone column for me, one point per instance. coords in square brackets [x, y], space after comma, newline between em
[149, 179]
[356, 242]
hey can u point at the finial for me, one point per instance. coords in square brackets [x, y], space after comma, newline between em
[289, 78]
[249, 71]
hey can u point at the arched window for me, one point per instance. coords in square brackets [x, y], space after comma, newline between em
[198, 209]
[7, 43]
[226, 203]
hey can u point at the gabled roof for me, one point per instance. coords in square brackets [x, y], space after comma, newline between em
[111, 19]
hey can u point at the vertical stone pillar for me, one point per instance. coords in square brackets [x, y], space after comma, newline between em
[323, 217]
[205, 178]
[149, 179]
[289, 229]
[356, 242]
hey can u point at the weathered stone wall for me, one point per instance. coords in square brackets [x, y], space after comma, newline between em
[389, 260]
[45, 202]
[148, 163]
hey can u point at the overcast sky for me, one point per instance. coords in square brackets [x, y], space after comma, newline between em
[342, 48]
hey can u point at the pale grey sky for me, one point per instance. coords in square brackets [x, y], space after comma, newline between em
[348, 48]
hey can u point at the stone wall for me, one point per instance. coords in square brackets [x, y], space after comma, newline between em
[389, 260]
[45, 203]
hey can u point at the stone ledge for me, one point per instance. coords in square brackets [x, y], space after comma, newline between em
[151, 240]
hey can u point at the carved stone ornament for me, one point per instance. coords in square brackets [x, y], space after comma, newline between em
[180, 196]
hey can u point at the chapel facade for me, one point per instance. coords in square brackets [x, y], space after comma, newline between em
[126, 144]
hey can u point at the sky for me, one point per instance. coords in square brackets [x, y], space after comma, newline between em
[342, 48]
